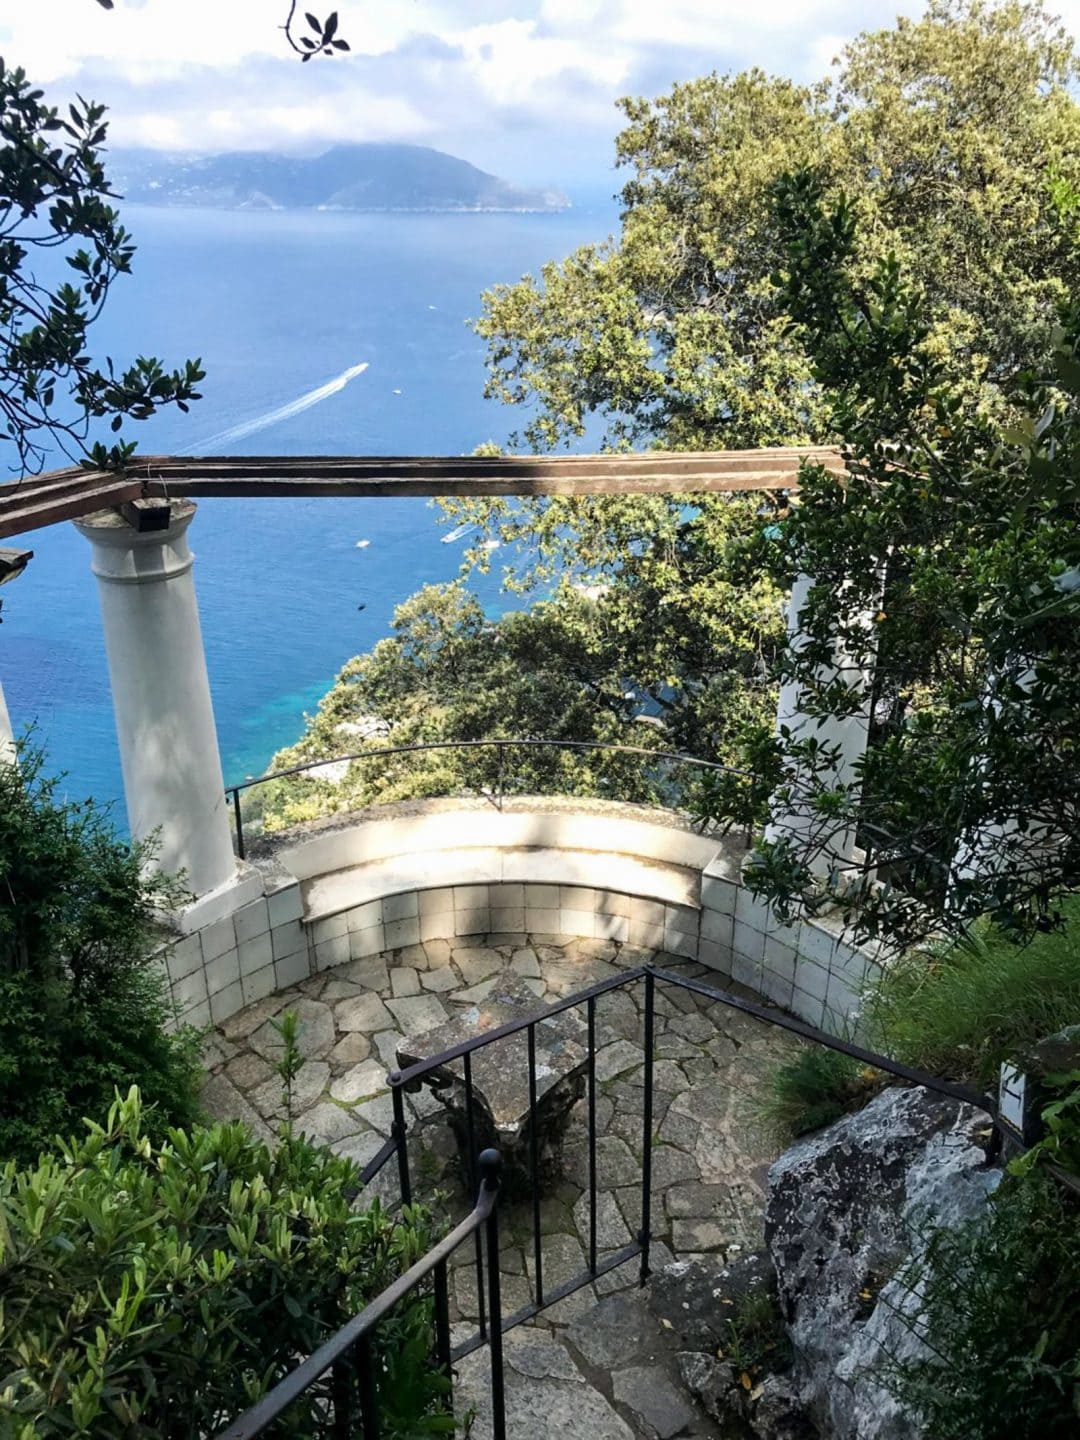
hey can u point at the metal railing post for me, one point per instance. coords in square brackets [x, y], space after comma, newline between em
[442, 1323]
[590, 1010]
[470, 1128]
[647, 1124]
[342, 1391]
[490, 1167]
[400, 1134]
[369, 1403]
[239, 820]
[534, 1168]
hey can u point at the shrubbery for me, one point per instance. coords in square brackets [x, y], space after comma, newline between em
[1000, 1315]
[61, 1058]
[963, 1008]
[957, 1011]
[83, 1007]
[816, 1088]
[159, 1289]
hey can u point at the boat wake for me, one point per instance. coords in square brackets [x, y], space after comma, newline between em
[456, 534]
[283, 412]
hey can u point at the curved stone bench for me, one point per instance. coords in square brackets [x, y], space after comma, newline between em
[335, 892]
[351, 867]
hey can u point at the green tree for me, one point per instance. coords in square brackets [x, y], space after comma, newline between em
[940, 130]
[970, 798]
[553, 672]
[674, 334]
[55, 218]
[83, 1006]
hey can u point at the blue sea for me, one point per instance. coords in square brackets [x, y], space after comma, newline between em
[282, 307]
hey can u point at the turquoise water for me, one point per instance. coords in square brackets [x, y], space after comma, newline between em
[279, 306]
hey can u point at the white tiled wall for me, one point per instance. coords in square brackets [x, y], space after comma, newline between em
[266, 946]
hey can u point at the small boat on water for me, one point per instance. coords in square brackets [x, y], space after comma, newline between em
[362, 544]
[457, 533]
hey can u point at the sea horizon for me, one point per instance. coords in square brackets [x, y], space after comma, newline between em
[321, 333]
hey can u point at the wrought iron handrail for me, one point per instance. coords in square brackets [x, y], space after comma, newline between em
[353, 1341]
[233, 792]
[354, 1338]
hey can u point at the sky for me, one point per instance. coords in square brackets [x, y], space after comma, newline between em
[525, 88]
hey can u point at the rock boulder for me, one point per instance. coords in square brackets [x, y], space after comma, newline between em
[847, 1209]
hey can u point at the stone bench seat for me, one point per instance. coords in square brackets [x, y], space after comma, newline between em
[380, 882]
[342, 890]
[347, 867]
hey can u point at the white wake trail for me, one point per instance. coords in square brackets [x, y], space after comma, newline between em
[284, 412]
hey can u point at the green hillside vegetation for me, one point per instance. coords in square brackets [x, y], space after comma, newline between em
[345, 177]
[552, 672]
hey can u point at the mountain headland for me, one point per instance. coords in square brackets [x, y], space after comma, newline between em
[367, 177]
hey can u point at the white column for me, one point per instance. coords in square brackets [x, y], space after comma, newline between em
[8, 753]
[800, 821]
[161, 694]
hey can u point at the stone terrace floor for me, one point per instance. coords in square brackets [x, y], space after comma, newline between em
[710, 1148]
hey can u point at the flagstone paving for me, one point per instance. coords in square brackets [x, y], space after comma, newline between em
[710, 1148]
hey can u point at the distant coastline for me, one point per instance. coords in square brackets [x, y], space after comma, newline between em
[347, 179]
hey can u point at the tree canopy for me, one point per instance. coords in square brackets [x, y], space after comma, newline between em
[940, 131]
[54, 197]
[555, 671]
[969, 799]
[948, 135]
[447, 672]
[946, 152]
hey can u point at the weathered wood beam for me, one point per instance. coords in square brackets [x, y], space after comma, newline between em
[66, 494]
[23, 511]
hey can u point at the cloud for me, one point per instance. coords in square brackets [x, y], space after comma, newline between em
[526, 87]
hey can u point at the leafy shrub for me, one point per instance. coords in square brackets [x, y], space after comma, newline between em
[962, 1008]
[159, 1290]
[1060, 1144]
[1000, 1313]
[62, 1060]
[816, 1088]
[83, 1007]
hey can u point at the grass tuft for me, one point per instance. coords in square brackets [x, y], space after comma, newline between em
[960, 1009]
[816, 1088]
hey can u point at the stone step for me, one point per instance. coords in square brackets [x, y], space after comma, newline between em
[611, 1374]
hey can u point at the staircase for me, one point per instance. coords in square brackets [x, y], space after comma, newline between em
[611, 1373]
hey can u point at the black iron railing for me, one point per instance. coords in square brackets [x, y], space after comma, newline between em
[498, 788]
[350, 1350]
[351, 1346]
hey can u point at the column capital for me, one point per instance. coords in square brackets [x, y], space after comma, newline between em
[126, 556]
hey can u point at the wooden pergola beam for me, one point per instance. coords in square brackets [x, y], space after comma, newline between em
[33, 503]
